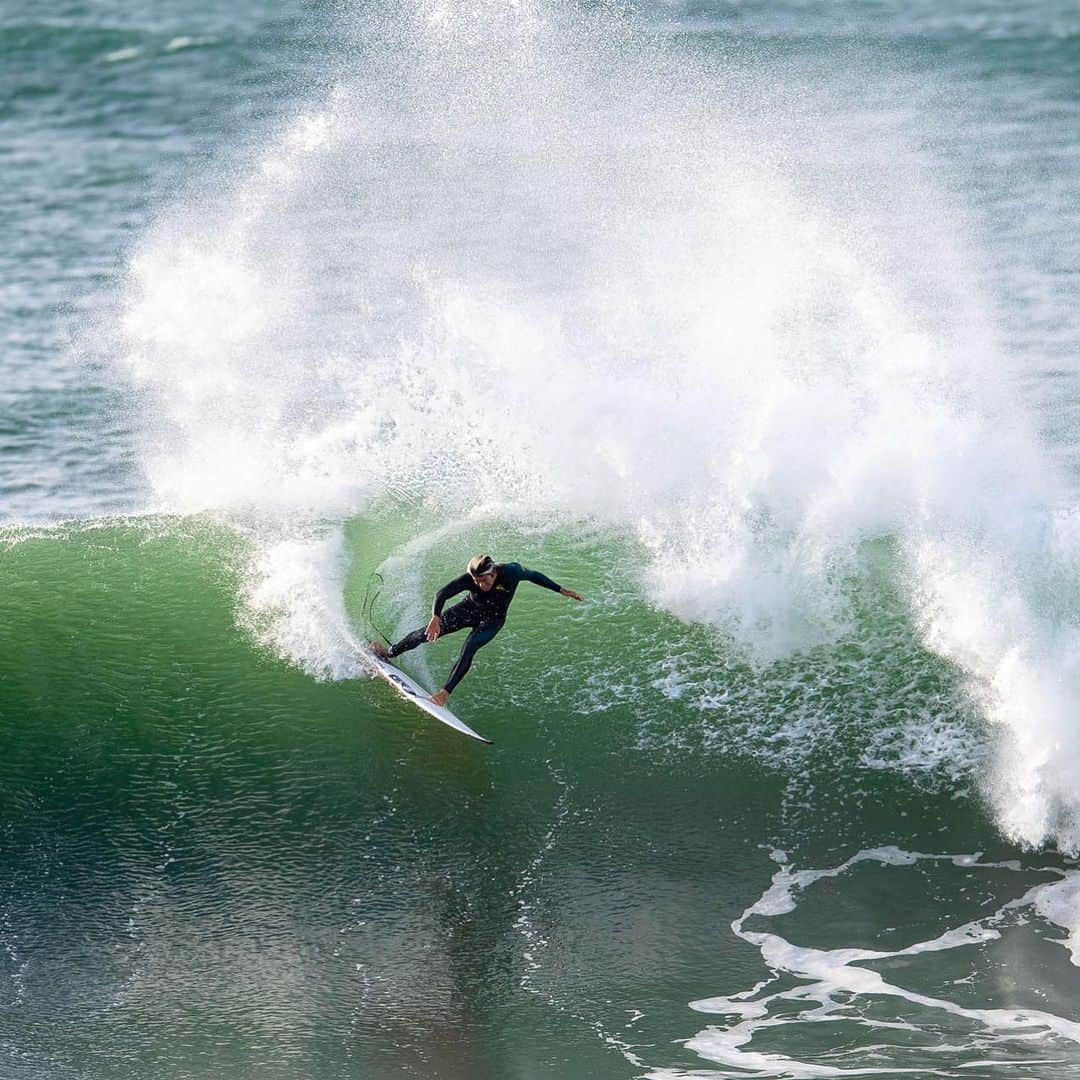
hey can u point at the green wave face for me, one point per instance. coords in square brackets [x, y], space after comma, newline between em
[214, 862]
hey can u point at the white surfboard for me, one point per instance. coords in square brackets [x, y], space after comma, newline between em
[414, 692]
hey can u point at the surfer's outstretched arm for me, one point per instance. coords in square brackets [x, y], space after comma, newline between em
[545, 582]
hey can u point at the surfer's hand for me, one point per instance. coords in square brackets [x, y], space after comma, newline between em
[440, 696]
[434, 628]
[570, 592]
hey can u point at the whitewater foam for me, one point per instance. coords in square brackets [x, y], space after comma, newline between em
[842, 991]
[295, 604]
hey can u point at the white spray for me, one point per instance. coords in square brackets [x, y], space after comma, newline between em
[535, 250]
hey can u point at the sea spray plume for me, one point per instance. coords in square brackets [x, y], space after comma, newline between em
[536, 249]
[981, 609]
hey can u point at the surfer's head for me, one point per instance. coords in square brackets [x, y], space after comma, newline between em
[482, 570]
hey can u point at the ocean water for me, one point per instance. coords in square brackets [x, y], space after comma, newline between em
[754, 322]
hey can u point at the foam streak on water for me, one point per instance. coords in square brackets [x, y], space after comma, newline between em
[531, 251]
[832, 986]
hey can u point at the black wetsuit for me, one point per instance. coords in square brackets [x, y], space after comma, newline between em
[485, 612]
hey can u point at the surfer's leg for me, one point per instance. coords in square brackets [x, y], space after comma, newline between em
[452, 620]
[477, 639]
[408, 642]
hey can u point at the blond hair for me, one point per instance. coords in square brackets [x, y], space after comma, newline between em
[480, 564]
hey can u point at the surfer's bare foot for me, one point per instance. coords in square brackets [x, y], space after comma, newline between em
[440, 696]
[380, 650]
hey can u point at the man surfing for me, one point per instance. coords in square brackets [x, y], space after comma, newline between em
[491, 587]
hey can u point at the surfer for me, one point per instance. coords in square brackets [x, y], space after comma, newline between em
[491, 587]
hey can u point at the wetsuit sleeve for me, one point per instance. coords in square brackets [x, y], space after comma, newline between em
[451, 588]
[539, 579]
